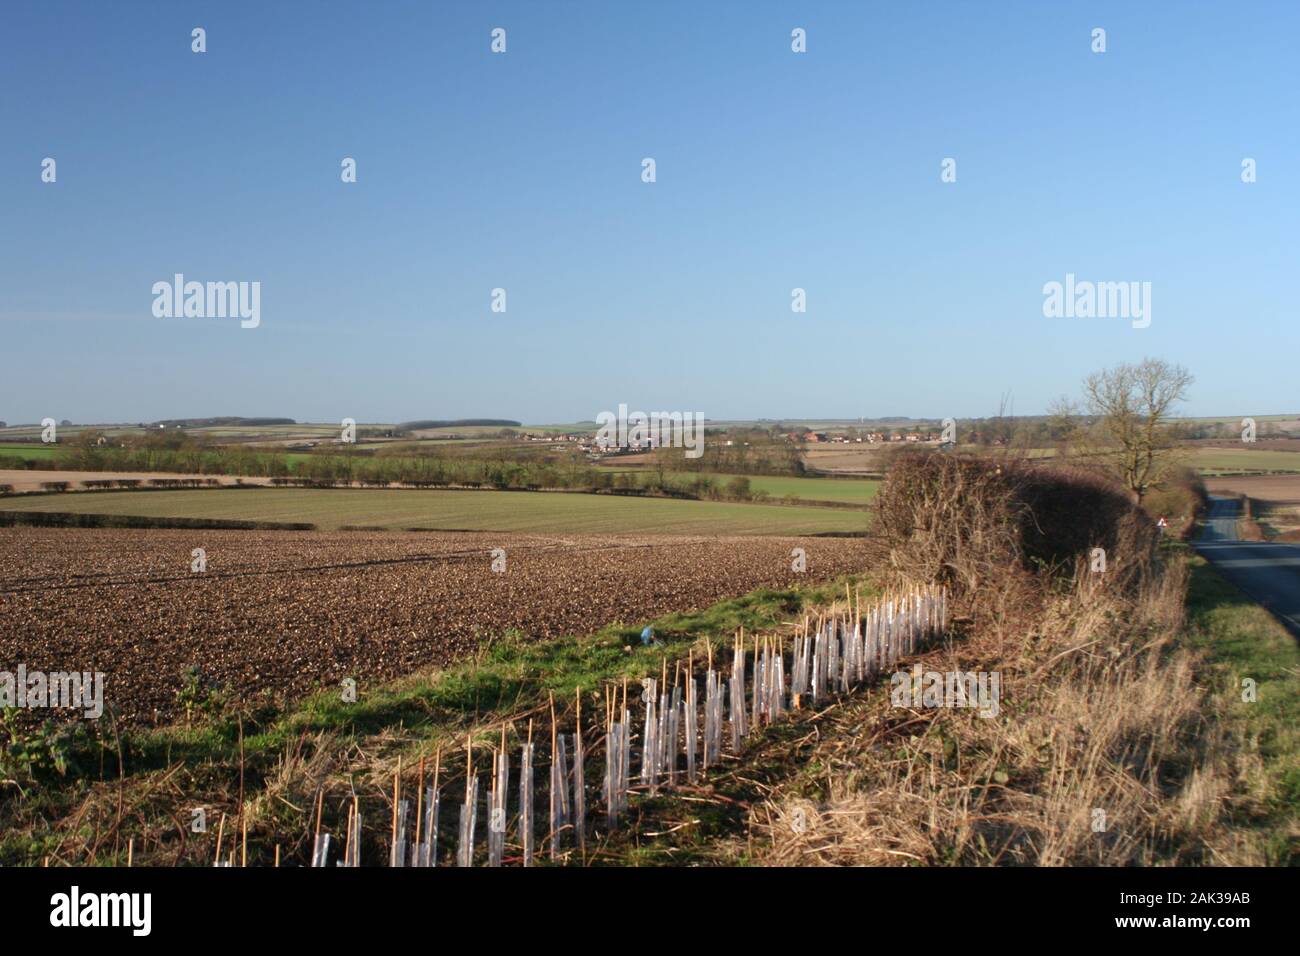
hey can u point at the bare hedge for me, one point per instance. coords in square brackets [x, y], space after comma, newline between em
[990, 529]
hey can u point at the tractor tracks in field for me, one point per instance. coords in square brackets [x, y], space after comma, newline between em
[117, 579]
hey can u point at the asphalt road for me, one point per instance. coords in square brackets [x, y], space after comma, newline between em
[1268, 573]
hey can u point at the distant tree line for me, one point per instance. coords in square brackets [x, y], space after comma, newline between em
[450, 467]
[738, 451]
[229, 421]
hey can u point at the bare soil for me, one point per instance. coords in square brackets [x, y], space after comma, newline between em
[279, 614]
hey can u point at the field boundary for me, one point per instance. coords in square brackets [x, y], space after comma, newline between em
[69, 519]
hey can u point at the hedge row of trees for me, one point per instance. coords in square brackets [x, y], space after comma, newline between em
[446, 469]
[750, 452]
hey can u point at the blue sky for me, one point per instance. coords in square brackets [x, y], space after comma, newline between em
[523, 171]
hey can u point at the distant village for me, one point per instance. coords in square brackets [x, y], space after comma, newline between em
[597, 447]
[871, 438]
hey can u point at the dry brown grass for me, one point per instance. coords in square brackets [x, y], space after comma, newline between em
[1248, 528]
[1105, 750]
[1100, 711]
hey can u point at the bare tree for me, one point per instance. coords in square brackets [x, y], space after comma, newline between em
[1067, 428]
[1133, 406]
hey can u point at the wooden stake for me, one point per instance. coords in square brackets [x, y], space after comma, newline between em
[221, 829]
[356, 822]
[347, 840]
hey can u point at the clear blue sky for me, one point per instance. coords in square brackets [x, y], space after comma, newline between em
[522, 170]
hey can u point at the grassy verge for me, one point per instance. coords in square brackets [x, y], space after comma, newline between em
[1279, 521]
[1241, 641]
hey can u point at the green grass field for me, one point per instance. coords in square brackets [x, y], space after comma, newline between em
[30, 450]
[848, 490]
[537, 512]
[1213, 460]
[38, 452]
[1235, 419]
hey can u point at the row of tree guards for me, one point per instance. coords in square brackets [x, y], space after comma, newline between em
[680, 730]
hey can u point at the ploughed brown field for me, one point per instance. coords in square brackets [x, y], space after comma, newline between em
[279, 614]
[1282, 489]
[1276, 501]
